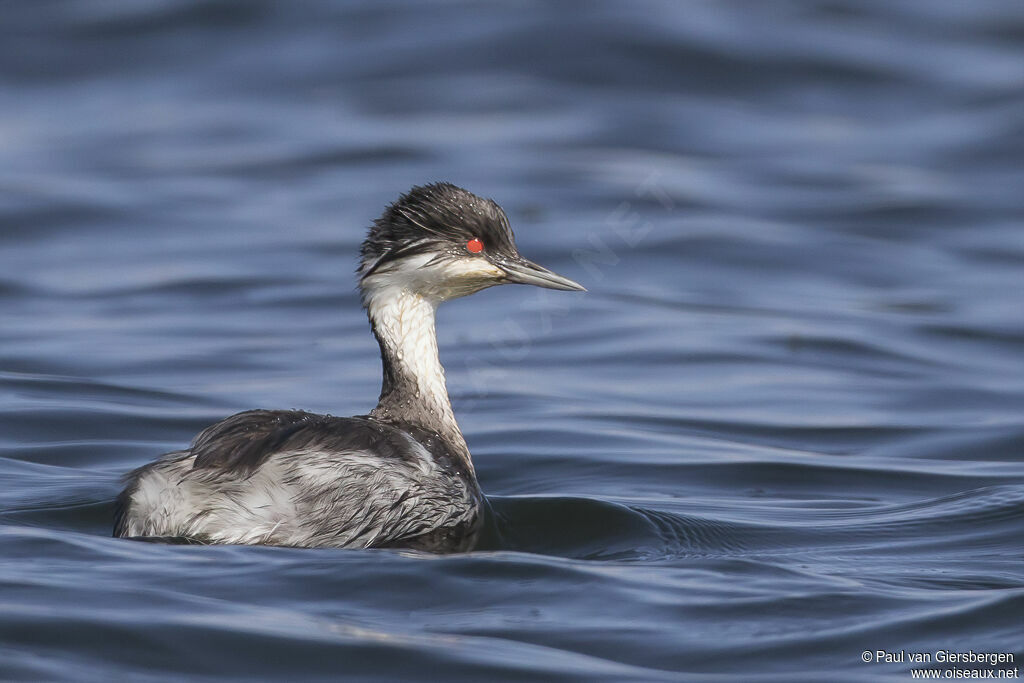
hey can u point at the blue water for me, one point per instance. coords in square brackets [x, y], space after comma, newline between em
[784, 426]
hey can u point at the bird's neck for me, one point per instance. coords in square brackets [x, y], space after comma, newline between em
[414, 389]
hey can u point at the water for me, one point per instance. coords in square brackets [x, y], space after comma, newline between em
[784, 426]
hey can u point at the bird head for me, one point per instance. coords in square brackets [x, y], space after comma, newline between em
[440, 242]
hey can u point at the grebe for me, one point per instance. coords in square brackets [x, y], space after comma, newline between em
[399, 477]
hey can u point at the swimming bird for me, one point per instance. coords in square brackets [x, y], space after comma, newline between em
[400, 476]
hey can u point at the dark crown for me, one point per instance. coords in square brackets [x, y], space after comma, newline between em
[435, 217]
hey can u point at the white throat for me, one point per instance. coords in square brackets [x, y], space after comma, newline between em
[404, 324]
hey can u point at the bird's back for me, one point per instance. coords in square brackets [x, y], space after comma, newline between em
[299, 479]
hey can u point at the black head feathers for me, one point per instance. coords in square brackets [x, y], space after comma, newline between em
[437, 217]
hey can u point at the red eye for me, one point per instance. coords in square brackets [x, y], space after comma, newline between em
[475, 246]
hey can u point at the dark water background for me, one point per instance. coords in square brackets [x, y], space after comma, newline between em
[785, 425]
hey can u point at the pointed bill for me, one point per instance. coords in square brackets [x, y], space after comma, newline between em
[525, 272]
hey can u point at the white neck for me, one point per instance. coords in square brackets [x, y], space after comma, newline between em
[414, 387]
